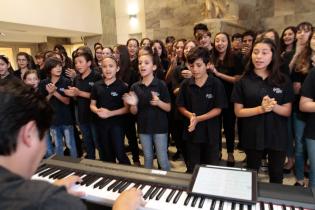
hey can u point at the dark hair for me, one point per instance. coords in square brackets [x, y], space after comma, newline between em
[228, 57]
[236, 36]
[249, 33]
[200, 35]
[32, 71]
[19, 105]
[275, 76]
[97, 43]
[132, 39]
[85, 49]
[303, 61]
[51, 54]
[151, 53]
[87, 56]
[142, 40]
[200, 26]
[124, 63]
[304, 25]
[169, 39]
[198, 52]
[5, 59]
[97, 48]
[277, 38]
[40, 55]
[60, 48]
[51, 63]
[282, 44]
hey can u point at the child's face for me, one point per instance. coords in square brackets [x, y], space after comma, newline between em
[205, 40]
[198, 68]
[302, 35]
[312, 42]
[158, 47]
[221, 43]
[22, 61]
[106, 52]
[146, 66]
[3, 68]
[288, 36]
[109, 68]
[188, 47]
[132, 48]
[32, 80]
[81, 64]
[99, 54]
[261, 56]
[56, 71]
[40, 61]
[179, 49]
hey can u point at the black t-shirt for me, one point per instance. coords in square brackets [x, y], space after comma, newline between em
[308, 90]
[264, 131]
[235, 68]
[200, 100]
[109, 97]
[151, 119]
[17, 193]
[18, 74]
[10, 76]
[84, 112]
[62, 112]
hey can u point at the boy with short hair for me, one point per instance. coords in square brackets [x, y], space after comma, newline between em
[201, 99]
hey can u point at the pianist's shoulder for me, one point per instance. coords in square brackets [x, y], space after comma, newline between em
[17, 193]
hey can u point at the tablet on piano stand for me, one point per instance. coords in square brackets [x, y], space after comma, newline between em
[234, 184]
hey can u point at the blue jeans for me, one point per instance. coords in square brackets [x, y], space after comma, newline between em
[160, 144]
[66, 131]
[290, 149]
[50, 148]
[89, 139]
[299, 126]
[310, 147]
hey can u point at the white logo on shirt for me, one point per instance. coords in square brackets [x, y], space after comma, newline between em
[114, 94]
[209, 96]
[277, 90]
[91, 83]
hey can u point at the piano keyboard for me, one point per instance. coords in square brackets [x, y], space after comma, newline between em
[103, 183]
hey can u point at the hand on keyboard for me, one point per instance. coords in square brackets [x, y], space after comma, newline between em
[129, 200]
[68, 183]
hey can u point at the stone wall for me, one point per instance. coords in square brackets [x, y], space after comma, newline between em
[177, 17]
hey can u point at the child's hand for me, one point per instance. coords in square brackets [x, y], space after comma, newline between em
[51, 88]
[193, 123]
[103, 113]
[186, 74]
[72, 91]
[155, 99]
[130, 98]
[71, 73]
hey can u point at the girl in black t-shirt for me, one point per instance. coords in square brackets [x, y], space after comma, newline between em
[107, 103]
[263, 98]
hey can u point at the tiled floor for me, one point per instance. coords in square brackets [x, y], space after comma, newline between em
[179, 165]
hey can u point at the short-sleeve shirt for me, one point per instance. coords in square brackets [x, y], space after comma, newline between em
[151, 119]
[62, 112]
[17, 193]
[201, 100]
[85, 114]
[109, 97]
[264, 131]
[308, 90]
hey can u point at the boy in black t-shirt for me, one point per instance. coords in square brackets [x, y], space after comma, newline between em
[201, 99]
[81, 90]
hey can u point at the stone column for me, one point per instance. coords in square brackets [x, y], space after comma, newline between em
[109, 37]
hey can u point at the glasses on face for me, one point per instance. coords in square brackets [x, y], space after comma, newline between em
[21, 60]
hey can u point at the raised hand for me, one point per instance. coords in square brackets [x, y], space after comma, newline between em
[155, 99]
[130, 98]
[51, 88]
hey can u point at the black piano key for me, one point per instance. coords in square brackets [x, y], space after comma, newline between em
[201, 202]
[41, 168]
[169, 197]
[64, 174]
[45, 173]
[53, 174]
[110, 187]
[155, 191]
[148, 193]
[194, 201]
[142, 186]
[213, 204]
[101, 181]
[233, 206]
[241, 206]
[85, 179]
[262, 205]
[187, 199]
[249, 207]
[177, 196]
[270, 206]
[79, 173]
[105, 183]
[56, 175]
[158, 197]
[136, 185]
[124, 187]
[283, 207]
[115, 189]
[92, 180]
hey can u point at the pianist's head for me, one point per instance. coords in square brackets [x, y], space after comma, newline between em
[24, 119]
